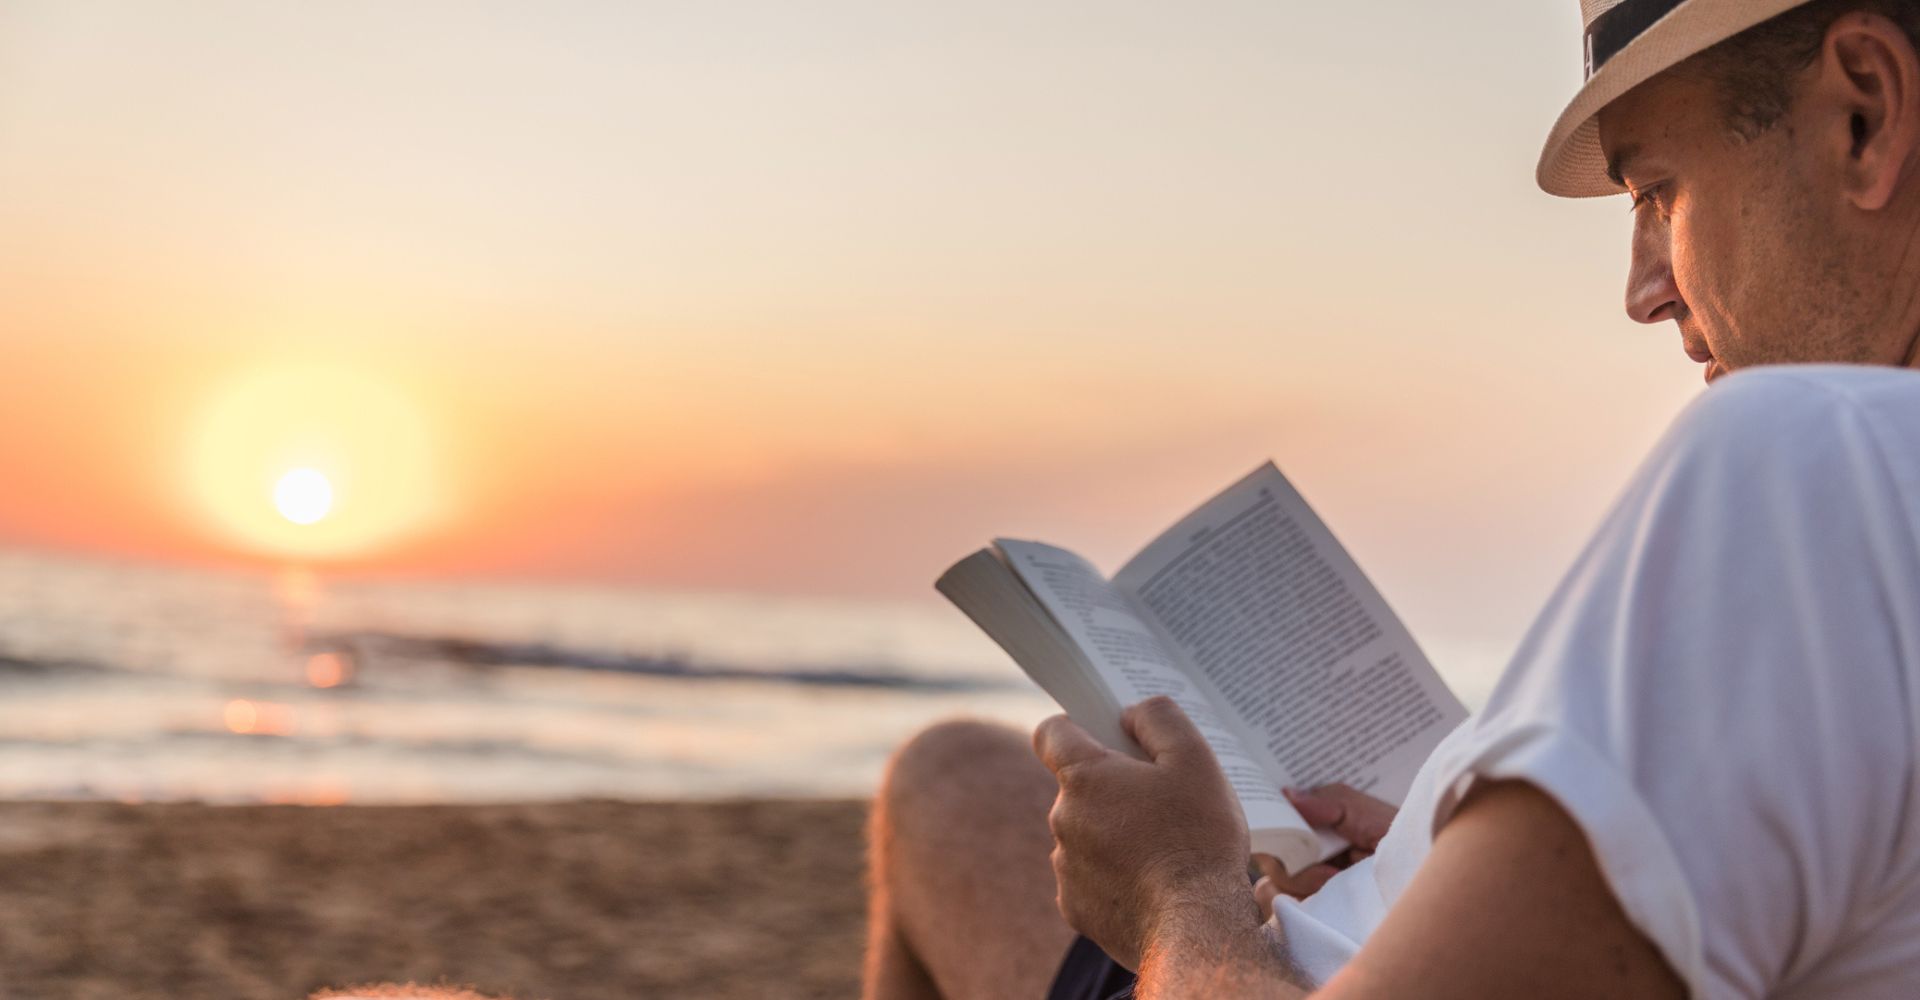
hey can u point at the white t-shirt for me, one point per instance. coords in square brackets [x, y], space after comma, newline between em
[1724, 694]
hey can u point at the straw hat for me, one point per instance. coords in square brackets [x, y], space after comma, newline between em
[1627, 43]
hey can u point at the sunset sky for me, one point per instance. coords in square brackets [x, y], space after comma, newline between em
[808, 298]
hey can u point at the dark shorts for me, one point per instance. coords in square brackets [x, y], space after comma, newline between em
[1088, 974]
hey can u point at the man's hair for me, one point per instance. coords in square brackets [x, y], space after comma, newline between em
[1754, 70]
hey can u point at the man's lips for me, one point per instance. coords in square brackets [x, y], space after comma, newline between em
[1703, 354]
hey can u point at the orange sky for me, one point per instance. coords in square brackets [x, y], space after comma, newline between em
[741, 296]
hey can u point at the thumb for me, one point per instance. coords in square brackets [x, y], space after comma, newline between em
[1264, 893]
[1059, 743]
[1360, 818]
[1161, 728]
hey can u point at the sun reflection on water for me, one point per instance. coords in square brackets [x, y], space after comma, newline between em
[328, 670]
[247, 717]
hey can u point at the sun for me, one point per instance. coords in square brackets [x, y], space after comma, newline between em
[312, 461]
[303, 496]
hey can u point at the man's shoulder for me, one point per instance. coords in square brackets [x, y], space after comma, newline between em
[1801, 413]
[1787, 392]
[1769, 453]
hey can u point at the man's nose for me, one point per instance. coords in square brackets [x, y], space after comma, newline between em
[1652, 295]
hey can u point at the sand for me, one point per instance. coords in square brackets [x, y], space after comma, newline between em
[569, 901]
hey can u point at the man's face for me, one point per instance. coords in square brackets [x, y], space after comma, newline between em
[1735, 240]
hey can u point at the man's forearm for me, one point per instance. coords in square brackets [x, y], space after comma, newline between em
[1217, 955]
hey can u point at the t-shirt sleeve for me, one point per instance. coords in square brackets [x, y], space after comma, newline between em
[1716, 693]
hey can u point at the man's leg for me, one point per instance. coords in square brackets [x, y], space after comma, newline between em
[963, 891]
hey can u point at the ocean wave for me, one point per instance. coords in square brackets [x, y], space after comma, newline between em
[26, 666]
[371, 651]
[368, 648]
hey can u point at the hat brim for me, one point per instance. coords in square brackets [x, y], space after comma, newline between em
[1572, 164]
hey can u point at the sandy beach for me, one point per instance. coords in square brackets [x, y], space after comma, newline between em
[568, 901]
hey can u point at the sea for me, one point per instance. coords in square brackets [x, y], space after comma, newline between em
[140, 682]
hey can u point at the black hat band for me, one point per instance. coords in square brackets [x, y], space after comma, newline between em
[1626, 21]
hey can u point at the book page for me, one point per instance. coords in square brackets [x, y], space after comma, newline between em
[1135, 666]
[988, 591]
[1256, 594]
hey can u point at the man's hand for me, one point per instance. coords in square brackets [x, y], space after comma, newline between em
[1146, 852]
[1358, 818]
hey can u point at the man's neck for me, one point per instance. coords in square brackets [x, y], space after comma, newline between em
[1905, 275]
[1913, 352]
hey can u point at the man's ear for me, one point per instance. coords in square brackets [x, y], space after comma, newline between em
[1873, 72]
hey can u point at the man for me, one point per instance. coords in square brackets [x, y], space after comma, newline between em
[1698, 776]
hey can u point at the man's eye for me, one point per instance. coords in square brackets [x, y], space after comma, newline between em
[1643, 196]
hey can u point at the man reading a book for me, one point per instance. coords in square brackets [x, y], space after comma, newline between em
[1698, 776]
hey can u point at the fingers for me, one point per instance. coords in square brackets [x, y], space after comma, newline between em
[1308, 882]
[1264, 893]
[1160, 727]
[1360, 818]
[1300, 886]
[1270, 867]
[1060, 744]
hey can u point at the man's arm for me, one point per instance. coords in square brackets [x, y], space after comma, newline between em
[1509, 903]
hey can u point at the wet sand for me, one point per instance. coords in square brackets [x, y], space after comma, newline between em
[566, 901]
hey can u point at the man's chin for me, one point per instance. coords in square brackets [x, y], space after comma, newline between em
[1715, 369]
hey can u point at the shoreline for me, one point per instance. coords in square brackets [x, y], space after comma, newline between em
[562, 900]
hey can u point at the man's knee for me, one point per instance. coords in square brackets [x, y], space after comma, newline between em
[956, 746]
[960, 844]
[958, 770]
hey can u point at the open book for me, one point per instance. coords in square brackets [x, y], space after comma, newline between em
[1252, 617]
